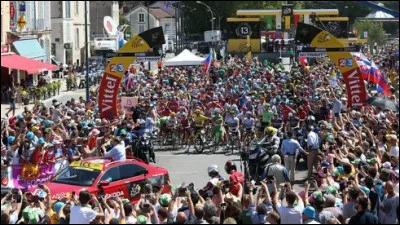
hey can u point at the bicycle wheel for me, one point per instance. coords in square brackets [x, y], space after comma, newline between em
[198, 144]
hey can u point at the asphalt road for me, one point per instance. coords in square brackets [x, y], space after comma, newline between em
[192, 167]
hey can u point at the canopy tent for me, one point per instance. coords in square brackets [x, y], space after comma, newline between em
[185, 58]
[31, 66]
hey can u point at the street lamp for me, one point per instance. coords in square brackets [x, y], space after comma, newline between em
[212, 13]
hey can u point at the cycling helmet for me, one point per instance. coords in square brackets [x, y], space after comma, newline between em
[141, 122]
[270, 130]
[229, 166]
[197, 111]
[173, 114]
[213, 168]
[249, 113]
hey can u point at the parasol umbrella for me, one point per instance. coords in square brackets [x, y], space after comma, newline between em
[383, 103]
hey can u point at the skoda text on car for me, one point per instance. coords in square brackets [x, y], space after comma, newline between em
[107, 179]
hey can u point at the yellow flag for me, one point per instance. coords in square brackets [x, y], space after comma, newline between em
[287, 22]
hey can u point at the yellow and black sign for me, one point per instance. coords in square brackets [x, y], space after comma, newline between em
[343, 60]
[87, 165]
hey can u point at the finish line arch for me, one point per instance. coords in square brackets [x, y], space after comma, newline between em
[114, 72]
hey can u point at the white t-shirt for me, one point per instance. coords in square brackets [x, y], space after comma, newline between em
[82, 215]
[291, 215]
[394, 151]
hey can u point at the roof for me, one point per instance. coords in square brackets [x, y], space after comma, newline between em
[159, 14]
[161, 5]
[264, 12]
[379, 15]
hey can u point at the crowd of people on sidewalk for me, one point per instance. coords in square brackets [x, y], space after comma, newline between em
[352, 153]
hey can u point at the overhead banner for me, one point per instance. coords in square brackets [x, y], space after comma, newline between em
[110, 83]
[312, 54]
[268, 22]
[343, 60]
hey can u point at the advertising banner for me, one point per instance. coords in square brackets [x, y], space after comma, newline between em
[128, 102]
[13, 14]
[6, 178]
[343, 60]
[30, 175]
[312, 54]
[110, 83]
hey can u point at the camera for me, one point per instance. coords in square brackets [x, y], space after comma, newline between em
[182, 192]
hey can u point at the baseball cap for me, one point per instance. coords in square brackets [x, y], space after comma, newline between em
[387, 165]
[41, 141]
[309, 211]
[30, 135]
[164, 200]
[141, 219]
[58, 206]
[10, 139]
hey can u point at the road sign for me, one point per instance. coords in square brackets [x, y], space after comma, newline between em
[21, 22]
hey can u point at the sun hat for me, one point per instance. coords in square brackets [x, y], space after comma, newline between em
[94, 132]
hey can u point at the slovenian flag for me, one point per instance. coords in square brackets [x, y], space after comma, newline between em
[371, 73]
[207, 63]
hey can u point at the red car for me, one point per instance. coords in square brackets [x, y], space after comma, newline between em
[102, 177]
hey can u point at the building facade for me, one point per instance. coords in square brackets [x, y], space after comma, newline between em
[68, 39]
[5, 20]
[140, 20]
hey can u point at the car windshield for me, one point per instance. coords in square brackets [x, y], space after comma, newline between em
[77, 176]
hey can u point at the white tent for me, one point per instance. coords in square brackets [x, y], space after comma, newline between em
[185, 58]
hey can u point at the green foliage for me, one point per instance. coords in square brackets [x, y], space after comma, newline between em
[376, 33]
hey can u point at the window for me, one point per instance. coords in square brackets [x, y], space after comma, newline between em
[141, 28]
[166, 28]
[67, 9]
[77, 39]
[141, 17]
[111, 175]
[76, 7]
[131, 170]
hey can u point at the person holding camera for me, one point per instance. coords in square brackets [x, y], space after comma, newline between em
[13, 200]
[81, 214]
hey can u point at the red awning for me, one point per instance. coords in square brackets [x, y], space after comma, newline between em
[31, 66]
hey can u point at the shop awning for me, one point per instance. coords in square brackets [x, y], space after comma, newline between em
[30, 49]
[31, 66]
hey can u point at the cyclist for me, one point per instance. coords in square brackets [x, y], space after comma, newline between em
[248, 124]
[198, 120]
[271, 139]
[219, 130]
[232, 121]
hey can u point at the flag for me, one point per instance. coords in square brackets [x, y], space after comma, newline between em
[207, 63]
[303, 61]
[296, 20]
[333, 79]
[371, 73]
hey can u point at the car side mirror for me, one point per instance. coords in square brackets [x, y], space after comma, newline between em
[104, 183]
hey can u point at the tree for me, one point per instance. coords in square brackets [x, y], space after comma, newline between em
[376, 33]
[122, 21]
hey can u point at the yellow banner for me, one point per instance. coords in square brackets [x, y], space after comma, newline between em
[87, 165]
[241, 45]
[287, 22]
